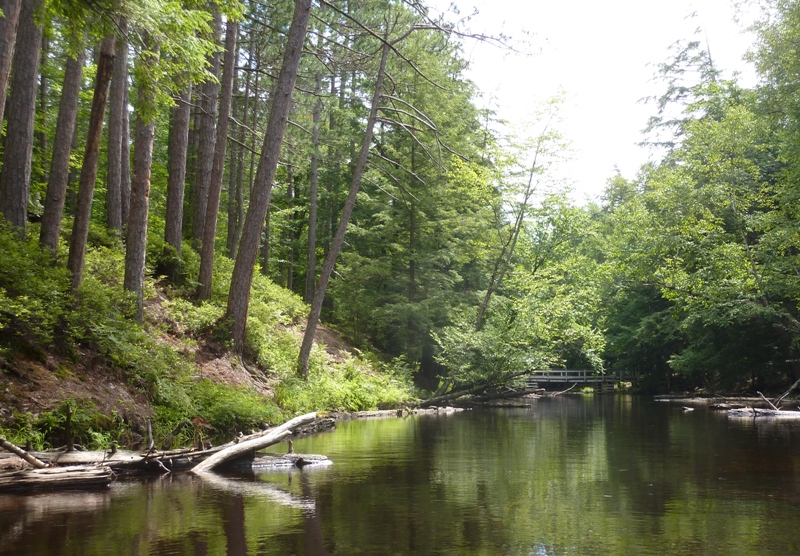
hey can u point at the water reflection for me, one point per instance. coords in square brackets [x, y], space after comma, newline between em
[573, 475]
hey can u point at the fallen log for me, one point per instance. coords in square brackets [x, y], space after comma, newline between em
[270, 462]
[789, 391]
[5, 444]
[253, 443]
[84, 476]
[763, 397]
[753, 412]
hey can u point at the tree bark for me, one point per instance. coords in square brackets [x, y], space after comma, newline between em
[62, 149]
[242, 278]
[15, 180]
[8, 35]
[215, 186]
[37, 463]
[40, 122]
[176, 183]
[235, 168]
[313, 196]
[235, 193]
[89, 476]
[117, 110]
[288, 266]
[206, 130]
[125, 160]
[338, 239]
[136, 236]
[254, 444]
[86, 183]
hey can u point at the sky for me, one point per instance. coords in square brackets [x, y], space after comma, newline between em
[603, 56]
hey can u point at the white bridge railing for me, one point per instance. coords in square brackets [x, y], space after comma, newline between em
[580, 377]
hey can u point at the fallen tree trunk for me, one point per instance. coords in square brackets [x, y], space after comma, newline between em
[6, 445]
[756, 412]
[511, 393]
[455, 394]
[89, 476]
[789, 391]
[254, 444]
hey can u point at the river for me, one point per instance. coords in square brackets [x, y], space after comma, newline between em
[574, 475]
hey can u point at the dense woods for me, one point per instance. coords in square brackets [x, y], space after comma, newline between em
[223, 157]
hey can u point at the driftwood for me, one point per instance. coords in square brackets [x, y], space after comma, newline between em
[756, 412]
[84, 476]
[453, 395]
[271, 462]
[763, 397]
[253, 443]
[723, 406]
[789, 391]
[508, 394]
[22, 453]
[562, 391]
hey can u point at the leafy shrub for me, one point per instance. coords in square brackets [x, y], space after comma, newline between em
[90, 428]
[347, 386]
[33, 290]
[230, 409]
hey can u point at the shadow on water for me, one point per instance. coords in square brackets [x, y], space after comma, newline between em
[568, 476]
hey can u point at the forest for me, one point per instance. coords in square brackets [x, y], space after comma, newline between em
[226, 176]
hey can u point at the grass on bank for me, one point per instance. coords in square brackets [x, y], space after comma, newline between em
[40, 317]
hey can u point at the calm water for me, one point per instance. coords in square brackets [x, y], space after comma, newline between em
[572, 475]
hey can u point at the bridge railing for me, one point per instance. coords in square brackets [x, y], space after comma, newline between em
[585, 376]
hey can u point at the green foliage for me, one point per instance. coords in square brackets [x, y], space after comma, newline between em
[348, 386]
[90, 428]
[232, 409]
[33, 290]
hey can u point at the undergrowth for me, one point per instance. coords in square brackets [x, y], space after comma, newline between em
[39, 316]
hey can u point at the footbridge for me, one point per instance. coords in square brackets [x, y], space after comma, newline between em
[538, 379]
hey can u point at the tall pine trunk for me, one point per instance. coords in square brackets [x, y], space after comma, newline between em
[235, 197]
[176, 182]
[338, 239]
[136, 232]
[86, 182]
[242, 278]
[125, 160]
[313, 194]
[62, 149]
[207, 135]
[8, 36]
[215, 186]
[117, 110]
[15, 180]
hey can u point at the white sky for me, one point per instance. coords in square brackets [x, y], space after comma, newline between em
[603, 54]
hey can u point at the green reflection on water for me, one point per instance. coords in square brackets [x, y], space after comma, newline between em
[569, 476]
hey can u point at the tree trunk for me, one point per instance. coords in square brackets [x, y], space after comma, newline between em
[288, 266]
[176, 183]
[206, 130]
[136, 236]
[242, 278]
[40, 124]
[215, 186]
[8, 35]
[235, 168]
[89, 476]
[15, 180]
[254, 444]
[235, 194]
[117, 110]
[313, 194]
[338, 239]
[83, 210]
[62, 148]
[125, 169]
